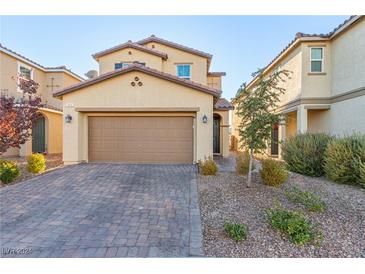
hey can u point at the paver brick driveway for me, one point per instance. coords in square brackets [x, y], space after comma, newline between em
[103, 210]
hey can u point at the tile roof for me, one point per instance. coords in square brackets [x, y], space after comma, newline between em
[308, 37]
[47, 106]
[130, 44]
[144, 69]
[216, 73]
[223, 104]
[156, 39]
[47, 69]
[329, 34]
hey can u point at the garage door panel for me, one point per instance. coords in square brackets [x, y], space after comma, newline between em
[141, 139]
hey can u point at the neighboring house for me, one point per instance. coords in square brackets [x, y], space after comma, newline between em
[154, 101]
[326, 92]
[47, 131]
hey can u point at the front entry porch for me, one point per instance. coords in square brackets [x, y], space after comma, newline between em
[301, 119]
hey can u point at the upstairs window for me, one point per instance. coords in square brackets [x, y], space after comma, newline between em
[120, 65]
[25, 72]
[316, 59]
[183, 71]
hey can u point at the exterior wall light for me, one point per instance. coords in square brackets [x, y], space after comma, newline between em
[68, 118]
[205, 119]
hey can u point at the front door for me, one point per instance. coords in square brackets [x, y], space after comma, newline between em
[216, 135]
[38, 136]
[275, 140]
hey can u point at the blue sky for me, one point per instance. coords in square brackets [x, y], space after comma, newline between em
[239, 44]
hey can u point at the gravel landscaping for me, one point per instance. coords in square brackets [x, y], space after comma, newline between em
[225, 197]
[52, 161]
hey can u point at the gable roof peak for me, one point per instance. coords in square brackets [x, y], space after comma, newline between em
[130, 44]
[154, 38]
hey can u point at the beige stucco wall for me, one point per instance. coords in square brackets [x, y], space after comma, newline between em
[293, 63]
[235, 121]
[291, 124]
[348, 60]
[54, 125]
[107, 62]
[175, 56]
[215, 82]
[117, 92]
[348, 116]
[318, 121]
[316, 84]
[9, 69]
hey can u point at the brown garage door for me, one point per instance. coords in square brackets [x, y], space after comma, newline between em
[141, 139]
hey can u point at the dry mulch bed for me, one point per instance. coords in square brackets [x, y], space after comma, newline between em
[225, 197]
[52, 161]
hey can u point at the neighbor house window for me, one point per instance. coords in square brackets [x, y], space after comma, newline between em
[120, 65]
[316, 59]
[183, 71]
[25, 72]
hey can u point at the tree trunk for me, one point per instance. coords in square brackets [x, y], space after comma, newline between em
[249, 170]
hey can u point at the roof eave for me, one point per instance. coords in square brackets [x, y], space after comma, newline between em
[99, 54]
[215, 93]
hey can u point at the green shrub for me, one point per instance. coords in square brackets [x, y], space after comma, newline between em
[36, 163]
[344, 160]
[299, 229]
[8, 171]
[237, 232]
[243, 163]
[303, 153]
[208, 166]
[273, 173]
[309, 200]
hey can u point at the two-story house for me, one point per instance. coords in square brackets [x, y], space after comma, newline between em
[155, 101]
[326, 92]
[47, 131]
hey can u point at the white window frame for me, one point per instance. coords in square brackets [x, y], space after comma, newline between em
[322, 60]
[184, 77]
[124, 64]
[19, 74]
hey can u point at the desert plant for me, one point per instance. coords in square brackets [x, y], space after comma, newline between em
[344, 160]
[273, 173]
[36, 163]
[299, 229]
[208, 166]
[243, 163]
[254, 106]
[308, 199]
[235, 231]
[17, 115]
[8, 171]
[303, 153]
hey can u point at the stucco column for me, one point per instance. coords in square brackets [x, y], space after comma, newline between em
[302, 119]
[26, 149]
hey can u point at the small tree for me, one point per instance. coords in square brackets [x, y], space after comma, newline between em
[256, 107]
[18, 115]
